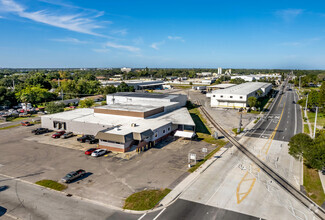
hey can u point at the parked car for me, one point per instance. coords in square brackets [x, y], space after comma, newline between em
[58, 134]
[92, 140]
[73, 175]
[90, 150]
[25, 123]
[84, 138]
[40, 131]
[98, 152]
[67, 135]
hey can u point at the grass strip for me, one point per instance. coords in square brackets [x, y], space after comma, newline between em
[51, 184]
[11, 126]
[313, 185]
[199, 163]
[306, 129]
[145, 200]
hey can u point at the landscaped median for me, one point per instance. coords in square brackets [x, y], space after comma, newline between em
[145, 200]
[51, 184]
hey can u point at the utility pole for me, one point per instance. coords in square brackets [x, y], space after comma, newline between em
[306, 106]
[13, 84]
[299, 82]
[239, 126]
[315, 122]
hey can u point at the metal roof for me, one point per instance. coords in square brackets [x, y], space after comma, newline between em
[243, 89]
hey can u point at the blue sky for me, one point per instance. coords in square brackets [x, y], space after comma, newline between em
[190, 34]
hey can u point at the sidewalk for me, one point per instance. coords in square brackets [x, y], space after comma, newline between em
[190, 179]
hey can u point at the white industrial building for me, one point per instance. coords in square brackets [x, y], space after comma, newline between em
[137, 84]
[237, 96]
[129, 121]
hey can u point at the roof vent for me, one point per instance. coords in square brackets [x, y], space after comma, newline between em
[133, 125]
[117, 129]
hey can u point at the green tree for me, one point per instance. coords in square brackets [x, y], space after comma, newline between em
[252, 101]
[299, 144]
[34, 94]
[313, 99]
[86, 103]
[54, 107]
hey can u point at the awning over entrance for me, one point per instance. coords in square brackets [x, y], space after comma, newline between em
[185, 134]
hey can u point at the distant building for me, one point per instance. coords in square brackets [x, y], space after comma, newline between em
[228, 72]
[204, 74]
[237, 96]
[137, 84]
[126, 69]
[219, 70]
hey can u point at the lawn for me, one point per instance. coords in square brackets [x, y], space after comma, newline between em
[51, 184]
[320, 118]
[145, 200]
[20, 118]
[313, 185]
[10, 126]
[306, 129]
[203, 132]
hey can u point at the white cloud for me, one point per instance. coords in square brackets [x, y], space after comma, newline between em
[175, 38]
[71, 40]
[289, 15]
[101, 50]
[122, 32]
[122, 47]
[156, 45]
[73, 22]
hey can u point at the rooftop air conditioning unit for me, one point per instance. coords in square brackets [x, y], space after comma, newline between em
[133, 125]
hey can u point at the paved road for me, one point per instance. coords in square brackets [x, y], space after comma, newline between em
[184, 210]
[288, 112]
[28, 201]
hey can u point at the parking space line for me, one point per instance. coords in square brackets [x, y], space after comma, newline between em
[159, 214]
[142, 216]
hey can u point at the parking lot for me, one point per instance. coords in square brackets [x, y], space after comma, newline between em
[110, 179]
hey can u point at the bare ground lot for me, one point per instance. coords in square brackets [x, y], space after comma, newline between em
[110, 179]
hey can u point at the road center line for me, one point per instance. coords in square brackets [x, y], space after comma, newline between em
[159, 214]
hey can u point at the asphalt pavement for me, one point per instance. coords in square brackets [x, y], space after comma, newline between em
[287, 112]
[28, 201]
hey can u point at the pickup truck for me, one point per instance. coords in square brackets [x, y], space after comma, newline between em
[73, 175]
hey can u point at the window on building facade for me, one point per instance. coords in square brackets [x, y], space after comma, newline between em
[168, 129]
[231, 96]
[164, 131]
[221, 96]
[214, 95]
[241, 97]
[156, 134]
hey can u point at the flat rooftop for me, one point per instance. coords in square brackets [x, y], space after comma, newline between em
[243, 89]
[130, 107]
[222, 86]
[145, 95]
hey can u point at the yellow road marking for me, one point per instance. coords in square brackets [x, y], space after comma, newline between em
[269, 141]
[239, 198]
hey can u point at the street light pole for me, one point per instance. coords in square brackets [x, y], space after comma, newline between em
[315, 122]
[306, 106]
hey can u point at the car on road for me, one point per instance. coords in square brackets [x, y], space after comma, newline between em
[67, 135]
[98, 152]
[40, 131]
[58, 134]
[90, 150]
[73, 175]
[293, 102]
[323, 172]
[25, 123]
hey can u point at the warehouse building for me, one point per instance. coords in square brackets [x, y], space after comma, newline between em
[237, 96]
[130, 120]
